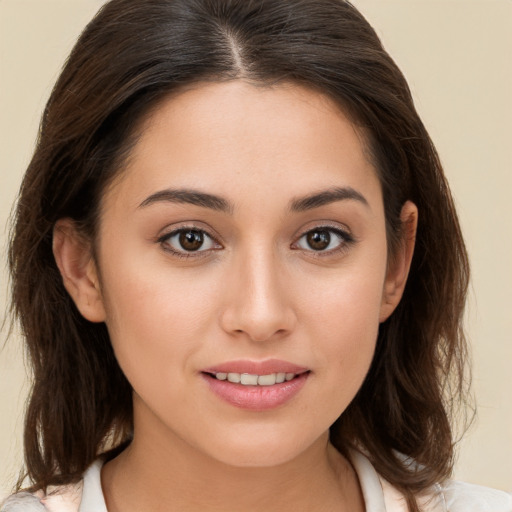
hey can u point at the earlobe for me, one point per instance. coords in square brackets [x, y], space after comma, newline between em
[398, 269]
[78, 270]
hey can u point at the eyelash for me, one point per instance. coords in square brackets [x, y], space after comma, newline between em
[346, 241]
[164, 242]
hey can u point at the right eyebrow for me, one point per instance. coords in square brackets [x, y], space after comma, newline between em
[324, 197]
[189, 196]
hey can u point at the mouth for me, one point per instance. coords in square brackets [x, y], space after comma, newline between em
[250, 379]
[256, 386]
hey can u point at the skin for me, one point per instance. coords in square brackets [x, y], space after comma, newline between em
[257, 291]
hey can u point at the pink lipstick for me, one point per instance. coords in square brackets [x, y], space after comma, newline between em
[256, 385]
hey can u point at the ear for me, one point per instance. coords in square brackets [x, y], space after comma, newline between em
[78, 270]
[399, 265]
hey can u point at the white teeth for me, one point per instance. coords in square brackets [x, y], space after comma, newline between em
[267, 380]
[234, 377]
[248, 379]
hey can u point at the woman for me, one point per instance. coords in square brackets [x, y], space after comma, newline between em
[239, 271]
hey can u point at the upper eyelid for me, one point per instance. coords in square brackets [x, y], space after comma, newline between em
[190, 225]
[163, 241]
[335, 227]
[174, 232]
[348, 239]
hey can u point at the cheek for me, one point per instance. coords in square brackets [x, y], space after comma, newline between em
[156, 315]
[343, 316]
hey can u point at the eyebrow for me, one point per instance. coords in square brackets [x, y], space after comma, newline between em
[194, 197]
[324, 197]
[217, 203]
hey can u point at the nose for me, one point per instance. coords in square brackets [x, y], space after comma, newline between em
[258, 303]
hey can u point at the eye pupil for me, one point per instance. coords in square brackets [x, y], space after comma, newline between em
[319, 240]
[191, 240]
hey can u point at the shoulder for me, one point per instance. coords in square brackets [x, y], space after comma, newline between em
[22, 502]
[464, 497]
[449, 496]
[453, 496]
[66, 498]
[83, 496]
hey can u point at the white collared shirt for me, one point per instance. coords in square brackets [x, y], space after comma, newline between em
[379, 495]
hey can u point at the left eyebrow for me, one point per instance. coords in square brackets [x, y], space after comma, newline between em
[194, 197]
[325, 197]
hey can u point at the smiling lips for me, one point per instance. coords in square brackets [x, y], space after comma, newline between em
[256, 386]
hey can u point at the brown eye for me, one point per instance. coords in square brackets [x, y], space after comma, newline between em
[318, 240]
[191, 240]
[324, 239]
[188, 240]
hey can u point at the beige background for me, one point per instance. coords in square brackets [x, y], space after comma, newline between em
[457, 57]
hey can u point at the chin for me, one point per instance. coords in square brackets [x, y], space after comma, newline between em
[269, 451]
[257, 460]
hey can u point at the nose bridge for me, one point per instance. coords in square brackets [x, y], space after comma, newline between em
[258, 304]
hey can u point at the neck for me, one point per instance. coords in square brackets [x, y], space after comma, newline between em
[163, 474]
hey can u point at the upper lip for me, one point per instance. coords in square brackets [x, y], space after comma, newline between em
[266, 367]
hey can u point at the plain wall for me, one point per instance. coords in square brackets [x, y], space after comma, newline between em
[457, 58]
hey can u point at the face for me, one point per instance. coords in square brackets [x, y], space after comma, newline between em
[245, 241]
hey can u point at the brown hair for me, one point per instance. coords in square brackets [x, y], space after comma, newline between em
[129, 58]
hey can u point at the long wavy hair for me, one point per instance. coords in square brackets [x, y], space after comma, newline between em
[130, 57]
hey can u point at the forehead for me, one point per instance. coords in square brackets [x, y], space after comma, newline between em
[234, 137]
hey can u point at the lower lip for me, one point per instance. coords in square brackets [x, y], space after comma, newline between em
[256, 398]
